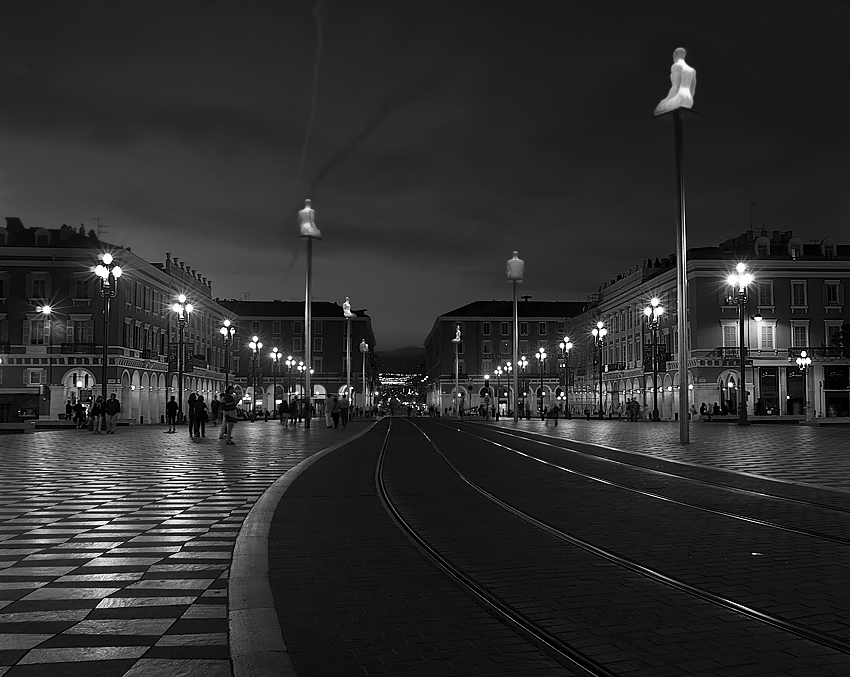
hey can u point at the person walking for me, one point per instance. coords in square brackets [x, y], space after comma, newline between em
[69, 410]
[171, 410]
[343, 410]
[112, 408]
[335, 412]
[283, 411]
[328, 407]
[293, 413]
[79, 414]
[97, 414]
[200, 417]
[228, 406]
[215, 407]
[191, 412]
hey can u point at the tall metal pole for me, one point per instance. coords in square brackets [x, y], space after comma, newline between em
[105, 357]
[308, 332]
[681, 278]
[601, 395]
[742, 390]
[179, 370]
[654, 326]
[567, 411]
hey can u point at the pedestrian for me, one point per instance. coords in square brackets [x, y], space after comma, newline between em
[335, 412]
[97, 414]
[283, 411]
[715, 409]
[328, 409]
[69, 410]
[215, 408]
[228, 406]
[171, 409]
[200, 417]
[112, 408]
[293, 413]
[191, 401]
[343, 410]
[555, 412]
[79, 414]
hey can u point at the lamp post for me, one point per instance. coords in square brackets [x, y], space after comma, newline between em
[227, 331]
[456, 340]
[255, 344]
[290, 365]
[108, 272]
[275, 356]
[308, 232]
[45, 310]
[487, 397]
[182, 309]
[599, 332]
[566, 346]
[803, 361]
[522, 363]
[516, 269]
[541, 358]
[498, 372]
[364, 349]
[739, 281]
[654, 311]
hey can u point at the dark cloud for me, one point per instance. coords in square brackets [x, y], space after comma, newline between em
[444, 136]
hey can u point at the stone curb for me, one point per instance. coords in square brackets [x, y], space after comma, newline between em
[257, 647]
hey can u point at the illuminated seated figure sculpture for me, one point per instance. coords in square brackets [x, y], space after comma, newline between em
[346, 309]
[306, 218]
[516, 268]
[683, 80]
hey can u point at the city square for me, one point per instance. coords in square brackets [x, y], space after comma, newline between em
[423, 338]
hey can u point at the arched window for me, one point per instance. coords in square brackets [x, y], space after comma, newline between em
[828, 248]
[795, 248]
[762, 246]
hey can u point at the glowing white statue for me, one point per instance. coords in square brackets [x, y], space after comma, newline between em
[683, 79]
[516, 268]
[456, 339]
[306, 217]
[346, 309]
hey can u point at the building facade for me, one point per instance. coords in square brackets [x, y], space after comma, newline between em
[486, 344]
[280, 324]
[795, 303]
[48, 360]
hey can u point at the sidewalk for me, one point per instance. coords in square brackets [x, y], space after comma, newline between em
[115, 551]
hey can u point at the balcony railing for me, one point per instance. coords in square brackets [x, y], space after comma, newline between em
[80, 348]
[817, 352]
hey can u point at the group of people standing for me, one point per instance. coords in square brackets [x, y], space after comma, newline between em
[99, 415]
[199, 414]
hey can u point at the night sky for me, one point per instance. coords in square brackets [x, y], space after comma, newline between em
[433, 137]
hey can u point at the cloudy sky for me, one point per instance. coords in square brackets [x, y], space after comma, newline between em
[433, 136]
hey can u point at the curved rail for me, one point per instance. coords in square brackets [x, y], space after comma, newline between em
[575, 660]
[792, 627]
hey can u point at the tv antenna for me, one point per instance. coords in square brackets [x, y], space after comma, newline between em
[525, 297]
[100, 227]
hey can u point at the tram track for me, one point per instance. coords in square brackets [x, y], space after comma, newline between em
[649, 494]
[527, 625]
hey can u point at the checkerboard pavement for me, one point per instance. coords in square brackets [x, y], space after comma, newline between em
[115, 551]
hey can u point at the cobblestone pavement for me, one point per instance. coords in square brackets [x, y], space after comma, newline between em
[115, 549]
[816, 455]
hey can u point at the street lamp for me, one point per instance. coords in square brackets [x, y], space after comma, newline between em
[108, 272]
[654, 311]
[566, 346]
[456, 340]
[803, 361]
[290, 365]
[346, 311]
[364, 350]
[541, 357]
[45, 310]
[498, 372]
[275, 355]
[521, 364]
[599, 332]
[739, 281]
[182, 309]
[487, 396]
[255, 344]
[227, 331]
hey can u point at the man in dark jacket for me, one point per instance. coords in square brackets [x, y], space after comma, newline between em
[112, 408]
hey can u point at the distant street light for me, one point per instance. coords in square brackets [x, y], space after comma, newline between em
[182, 309]
[108, 272]
[541, 358]
[599, 332]
[739, 281]
[653, 312]
[227, 331]
[566, 346]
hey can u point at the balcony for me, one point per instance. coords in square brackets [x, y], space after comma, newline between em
[817, 352]
[79, 349]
